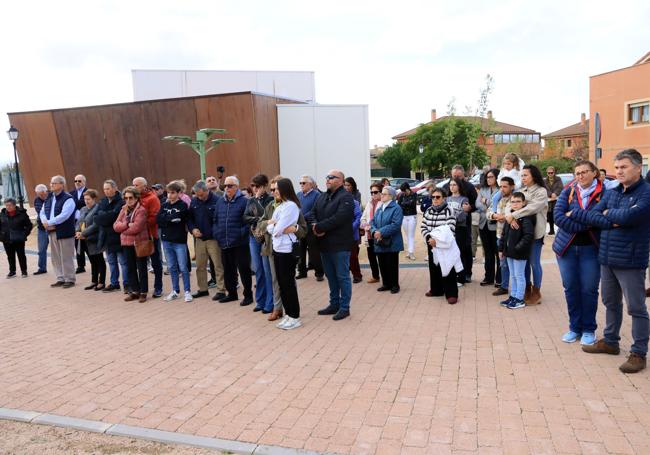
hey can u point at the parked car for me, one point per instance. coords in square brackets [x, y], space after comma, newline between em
[397, 182]
[568, 179]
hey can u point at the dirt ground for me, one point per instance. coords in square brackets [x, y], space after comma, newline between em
[18, 438]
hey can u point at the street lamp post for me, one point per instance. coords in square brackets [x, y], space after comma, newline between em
[13, 136]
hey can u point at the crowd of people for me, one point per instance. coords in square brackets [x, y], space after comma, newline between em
[269, 230]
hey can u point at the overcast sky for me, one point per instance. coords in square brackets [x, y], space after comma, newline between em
[402, 58]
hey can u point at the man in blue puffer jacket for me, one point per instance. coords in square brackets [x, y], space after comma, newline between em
[231, 232]
[623, 215]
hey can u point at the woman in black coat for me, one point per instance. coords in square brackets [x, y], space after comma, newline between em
[15, 227]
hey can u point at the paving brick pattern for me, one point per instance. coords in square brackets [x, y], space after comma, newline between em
[405, 373]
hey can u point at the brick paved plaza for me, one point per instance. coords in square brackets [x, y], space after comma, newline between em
[404, 374]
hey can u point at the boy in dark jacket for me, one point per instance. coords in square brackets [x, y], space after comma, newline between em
[172, 220]
[515, 246]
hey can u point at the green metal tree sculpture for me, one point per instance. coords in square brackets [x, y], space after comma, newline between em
[198, 145]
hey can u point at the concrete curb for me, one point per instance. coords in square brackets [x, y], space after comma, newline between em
[166, 437]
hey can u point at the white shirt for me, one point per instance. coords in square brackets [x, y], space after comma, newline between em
[66, 211]
[285, 215]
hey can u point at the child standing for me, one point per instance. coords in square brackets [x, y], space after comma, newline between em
[516, 244]
[510, 167]
[172, 220]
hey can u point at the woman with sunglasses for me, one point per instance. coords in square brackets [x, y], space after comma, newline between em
[439, 214]
[131, 224]
[366, 219]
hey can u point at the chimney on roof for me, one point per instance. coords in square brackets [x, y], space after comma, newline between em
[433, 115]
[489, 114]
[583, 118]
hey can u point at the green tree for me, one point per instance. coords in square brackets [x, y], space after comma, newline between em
[394, 158]
[561, 164]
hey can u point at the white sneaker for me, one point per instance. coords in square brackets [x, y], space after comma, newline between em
[171, 296]
[293, 324]
[188, 296]
[284, 321]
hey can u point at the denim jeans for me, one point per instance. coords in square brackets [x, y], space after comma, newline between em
[113, 258]
[43, 242]
[616, 283]
[176, 254]
[263, 283]
[505, 273]
[337, 270]
[534, 263]
[517, 280]
[268, 276]
[580, 274]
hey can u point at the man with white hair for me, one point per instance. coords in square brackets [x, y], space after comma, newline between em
[232, 235]
[78, 198]
[307, 197]
[58, 218]
[151, 203]
[43, 240]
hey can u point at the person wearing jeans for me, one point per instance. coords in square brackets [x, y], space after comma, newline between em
[576, 248]
[109, 240]
[333, 214]
[498, 213]
[43, 239]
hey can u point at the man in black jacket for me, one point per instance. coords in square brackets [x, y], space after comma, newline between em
[78, 198]
[109, 240]
[333, 214]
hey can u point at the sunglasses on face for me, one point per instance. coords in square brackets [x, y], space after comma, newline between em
[331, 177]
[374, 192]
[550, 173]
[78, 181]
[436, 197]
[230, 185]
[273, 188]
[303, 183]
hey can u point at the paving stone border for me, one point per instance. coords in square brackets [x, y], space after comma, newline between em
[166, 437]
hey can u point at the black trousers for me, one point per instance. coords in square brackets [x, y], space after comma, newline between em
[310, 243]
[550, 218]
[285, 270]
[441, 285]
[234, 259]
[98, 268]
[82, 249]
[14, 249]
[464, 242]
[372, 259]
[491, 253]
[137, 271]
[389, 268]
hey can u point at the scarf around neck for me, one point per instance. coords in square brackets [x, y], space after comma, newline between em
[585, 193]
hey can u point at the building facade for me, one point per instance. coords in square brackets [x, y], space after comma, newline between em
[569, 142]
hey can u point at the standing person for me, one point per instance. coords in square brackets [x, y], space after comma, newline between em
[385, 181]
[534, 191]
[172, 220]
[78, 198]
[554, 187]
[488, 228]
[215, 269]
[43, 240]
[151, 204]
[221, 170]
[407, 201]
[108, 240]
[515, 246]
[366, 219]
[437, 216]
[285, 216]
[58, 217]
[307, 197]
[576, 248]
[426, 200]
[132, 226]
[199, 223]
[15, 227]
[498, 215]
[232, 234]
[386, 232]
[333, 214]
[261, 266]
[351, 187]
[622, 216]
[88, 231]
[468, 190]
[459, 203]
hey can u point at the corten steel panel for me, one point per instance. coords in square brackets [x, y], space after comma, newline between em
[38, 149]
[266, 122]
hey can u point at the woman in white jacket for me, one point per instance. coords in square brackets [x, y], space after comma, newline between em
[284, 218]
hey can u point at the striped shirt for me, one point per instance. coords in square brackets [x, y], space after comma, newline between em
[435, 217]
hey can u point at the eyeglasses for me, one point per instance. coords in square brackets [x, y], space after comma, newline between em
[436, 197]
[126, 198]
[78, 181]
[230, 185]
[331, 177]
[303, 183]
[385, 194]
[550, 173]
[374, 192]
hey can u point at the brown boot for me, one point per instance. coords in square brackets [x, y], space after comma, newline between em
[634, 364]
[601, 347]
[132, 296]
[535, 297]
[275, 315]
[142, 298]
[527, 292]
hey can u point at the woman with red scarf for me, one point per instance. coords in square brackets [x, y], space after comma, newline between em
[366, 218]
[15, 227]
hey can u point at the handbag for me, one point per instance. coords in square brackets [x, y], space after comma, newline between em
[144, 248]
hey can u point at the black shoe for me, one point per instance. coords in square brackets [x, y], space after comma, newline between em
[80, 270]
[341, 314]
[500, 291]
[320, 278]
[358, 279]
[39, 272]
[228, 298]
[383, 288]
[11, 274]
[328, 310]
[111, 288]
[300, 276]
[218, 296]
[486, 283]
[126, 289]
[67, 284]
[267, 311]
[24, 274]
[497, 285]
[58, 284]
[246, 301]
[91, 286]
[198, 294]
[256, 309]
[156, 294]
[394, 290]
